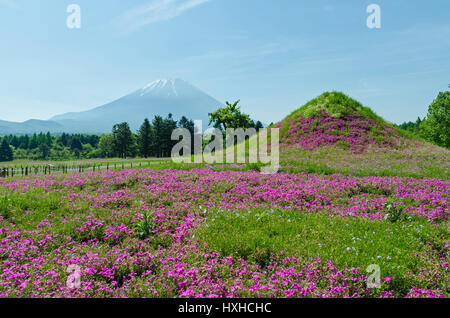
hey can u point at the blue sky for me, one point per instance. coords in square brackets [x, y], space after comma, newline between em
[274, 55]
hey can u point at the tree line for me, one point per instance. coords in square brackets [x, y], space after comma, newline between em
[435, 127]
[153, 139]
[46, 146]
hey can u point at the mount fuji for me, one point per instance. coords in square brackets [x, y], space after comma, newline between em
[160, 97]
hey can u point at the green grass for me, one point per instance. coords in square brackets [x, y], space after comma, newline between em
[424, 161]
[399, 248]
[337, 105]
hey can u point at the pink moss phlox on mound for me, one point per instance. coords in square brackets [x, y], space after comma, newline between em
[350, 132]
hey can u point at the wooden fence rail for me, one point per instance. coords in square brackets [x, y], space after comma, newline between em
[23, 171]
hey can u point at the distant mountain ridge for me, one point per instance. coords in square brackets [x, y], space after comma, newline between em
[29, 126]
[160, 97]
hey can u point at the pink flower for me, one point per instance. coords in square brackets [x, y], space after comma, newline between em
[388, 280]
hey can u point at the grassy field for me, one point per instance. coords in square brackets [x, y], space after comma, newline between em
[171, 232]
[255, 235]
[421, 161]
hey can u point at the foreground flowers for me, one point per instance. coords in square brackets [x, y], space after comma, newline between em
[90, 220]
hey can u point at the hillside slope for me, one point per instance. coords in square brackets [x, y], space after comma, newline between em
[336, 119]
[333, 133]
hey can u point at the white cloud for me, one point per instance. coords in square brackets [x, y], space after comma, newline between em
[9, 3]
[155, 11]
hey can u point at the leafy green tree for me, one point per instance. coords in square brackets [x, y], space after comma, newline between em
[145, 139]
[106, 146]
[158, 126]
[163, 128]
[6, 153]
[412, 126]
[24, 142]
[169, 125]
[259, 126]
[88, 151]
[76, 145]
[33, 142]
[436, 126]
[230, 117]
[189, 125]
[44, 151]
[42, 139]
[48, 139]
[14, 141]
[123, 140]
[63, 140]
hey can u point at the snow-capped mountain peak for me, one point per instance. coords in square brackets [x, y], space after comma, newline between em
[163, 87]
[160, 97]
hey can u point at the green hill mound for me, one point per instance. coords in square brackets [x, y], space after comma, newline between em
[333, 118]
[336, 105]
